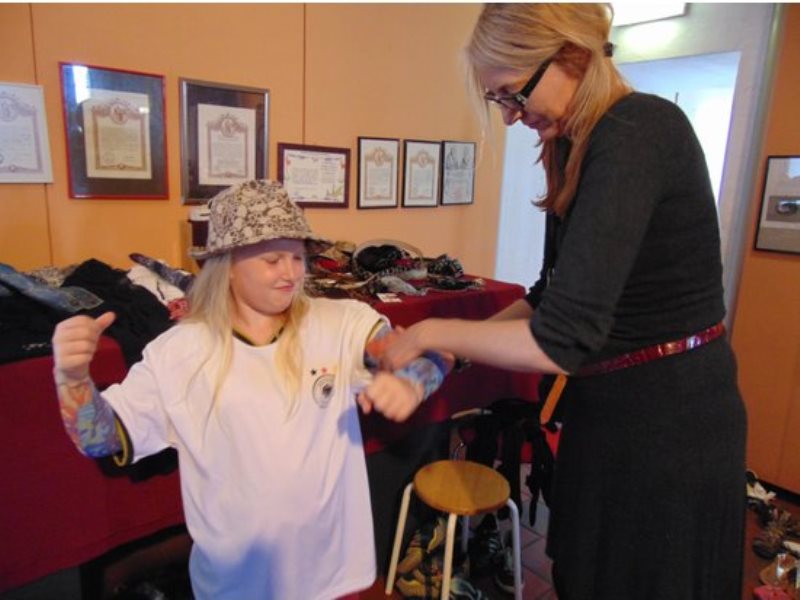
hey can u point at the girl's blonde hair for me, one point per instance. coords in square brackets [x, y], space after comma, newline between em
[575, 36]
[211, 304]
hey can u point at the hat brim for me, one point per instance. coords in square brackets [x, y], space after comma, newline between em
[314, 245]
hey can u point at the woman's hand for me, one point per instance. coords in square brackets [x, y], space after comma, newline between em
[74, 344]
[392, 396]
[403, 347]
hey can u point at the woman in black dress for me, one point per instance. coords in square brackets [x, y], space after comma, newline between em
[649, 495]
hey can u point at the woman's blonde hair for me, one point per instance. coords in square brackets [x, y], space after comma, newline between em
[575, 36]
[211, 304]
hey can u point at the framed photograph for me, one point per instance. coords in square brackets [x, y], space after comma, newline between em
[24, 144]
[315, 176]
[224, 137]
[115, 128]
[421, 172]
[779, 222]
[458, 172]
[377, 172]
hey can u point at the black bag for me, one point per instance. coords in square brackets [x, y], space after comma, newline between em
[512, 422]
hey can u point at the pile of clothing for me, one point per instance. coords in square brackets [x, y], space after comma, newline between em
[147, 300]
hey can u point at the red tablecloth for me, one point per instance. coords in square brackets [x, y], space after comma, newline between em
[59, 509]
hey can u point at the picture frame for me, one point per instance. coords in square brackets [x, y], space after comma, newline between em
[224, 137]
[458, 172]
[115, 129]
[24, 143]
[421, 173]
[378, 168]
[315, 176]
[778, 227]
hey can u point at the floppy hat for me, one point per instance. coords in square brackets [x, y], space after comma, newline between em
[252, 212]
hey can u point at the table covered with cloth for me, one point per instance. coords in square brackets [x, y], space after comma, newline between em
[60, 509]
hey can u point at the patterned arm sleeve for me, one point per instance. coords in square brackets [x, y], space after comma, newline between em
[90, 421]
[428, 371]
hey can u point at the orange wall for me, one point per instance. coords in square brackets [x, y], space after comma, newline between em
[766, 331]
[334, 72]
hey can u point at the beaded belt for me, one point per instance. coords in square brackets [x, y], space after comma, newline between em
[644, 355]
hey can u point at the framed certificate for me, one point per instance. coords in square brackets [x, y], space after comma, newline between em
[114, 123]
[24, 145]
[421, 173]
[377, 172]
[224, 137]
[314, 176]
[779, 222]
[458, 172]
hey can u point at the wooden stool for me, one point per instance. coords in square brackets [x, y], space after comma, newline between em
[460, 488]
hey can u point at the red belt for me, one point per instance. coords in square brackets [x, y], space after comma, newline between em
[644, 355]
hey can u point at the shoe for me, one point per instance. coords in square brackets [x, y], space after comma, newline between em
[504, 568]
[769, 542]
[484, 546]
[782, 573]
[462, 589]
[755, 491]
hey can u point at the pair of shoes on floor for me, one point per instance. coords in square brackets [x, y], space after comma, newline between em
[780, 529]
[504, 567]
[490, 555]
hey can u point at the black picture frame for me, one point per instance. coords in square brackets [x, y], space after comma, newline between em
[778, 226]
[197, 185]
[115, 130]
[318, 166]
[458, 173]
[378, 169]
[422, 173]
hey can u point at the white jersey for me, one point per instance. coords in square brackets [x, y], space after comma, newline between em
[277, 508]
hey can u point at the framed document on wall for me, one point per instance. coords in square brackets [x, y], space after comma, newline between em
[24, 145]
[115, 131]
[377, 172]
[314, 176]
[458, 172]
[421, 173]
[224, 137]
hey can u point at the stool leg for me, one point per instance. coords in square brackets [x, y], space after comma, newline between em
[515, 543]
[448, 556]
[464, 533]
[398, 538]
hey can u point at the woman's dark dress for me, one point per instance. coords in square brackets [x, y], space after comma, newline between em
[649, 493]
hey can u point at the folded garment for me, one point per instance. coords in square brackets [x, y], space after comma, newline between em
[70, 299]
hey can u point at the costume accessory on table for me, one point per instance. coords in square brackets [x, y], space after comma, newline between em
[253, 212]
[379, 258]
[645, 355]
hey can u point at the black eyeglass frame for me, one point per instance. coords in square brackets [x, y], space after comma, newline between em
[520, 98]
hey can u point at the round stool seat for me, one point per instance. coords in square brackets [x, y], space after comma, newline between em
[461, 487]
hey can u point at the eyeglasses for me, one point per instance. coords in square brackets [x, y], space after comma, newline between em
[520, 99]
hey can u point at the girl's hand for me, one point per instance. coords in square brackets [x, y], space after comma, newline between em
[394, 397]
[74, 344]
